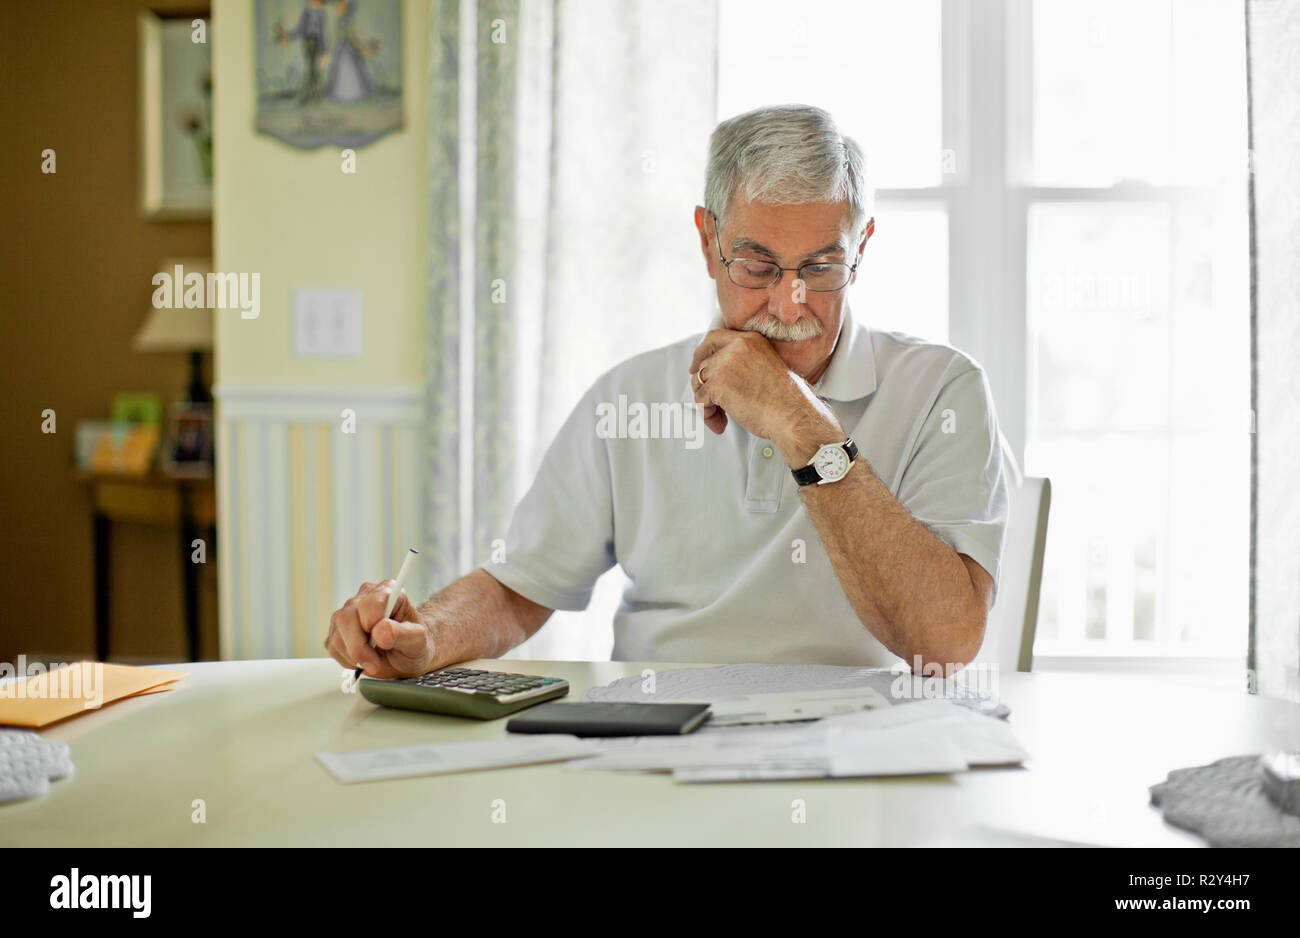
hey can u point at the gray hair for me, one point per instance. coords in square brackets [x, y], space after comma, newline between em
[786, 154]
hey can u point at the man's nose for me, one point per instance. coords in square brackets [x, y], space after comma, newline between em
[786, 296]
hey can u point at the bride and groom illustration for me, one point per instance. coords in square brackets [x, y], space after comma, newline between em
[349, 77]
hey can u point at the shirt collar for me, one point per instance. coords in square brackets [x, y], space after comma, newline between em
[851, 375]
[852, 372]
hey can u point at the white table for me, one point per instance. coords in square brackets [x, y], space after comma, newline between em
[242, 737]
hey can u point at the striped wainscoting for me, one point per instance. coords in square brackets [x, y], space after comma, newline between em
[308, 511]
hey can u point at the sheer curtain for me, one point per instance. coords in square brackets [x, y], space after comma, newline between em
[1273, 44]
[567, 144]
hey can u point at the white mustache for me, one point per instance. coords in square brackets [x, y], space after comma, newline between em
[772, 328]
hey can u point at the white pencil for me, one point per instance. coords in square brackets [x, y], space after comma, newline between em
[411, 554]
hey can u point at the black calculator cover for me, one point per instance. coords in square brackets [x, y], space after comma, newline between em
[611, 719]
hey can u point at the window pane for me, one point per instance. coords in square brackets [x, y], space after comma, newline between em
[902, 285]
[1099, 317]
[1138, 413]
[885, 93]
[1144, 90]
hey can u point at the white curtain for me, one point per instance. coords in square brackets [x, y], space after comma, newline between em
[567, 144]
[1273, 43]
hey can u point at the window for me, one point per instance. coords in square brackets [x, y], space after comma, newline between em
[1137, 325]
[1061, 193]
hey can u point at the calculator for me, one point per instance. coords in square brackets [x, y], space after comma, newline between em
[464, 692]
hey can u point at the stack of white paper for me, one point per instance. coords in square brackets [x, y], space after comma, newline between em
[927, 732]
[934, 736]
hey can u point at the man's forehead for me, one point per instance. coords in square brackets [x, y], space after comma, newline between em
[806, 228]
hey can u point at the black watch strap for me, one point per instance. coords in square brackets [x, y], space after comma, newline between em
[808, 475]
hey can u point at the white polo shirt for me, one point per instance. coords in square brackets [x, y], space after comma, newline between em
[724, 562]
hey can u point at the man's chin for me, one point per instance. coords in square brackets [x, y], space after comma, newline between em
[791, 354]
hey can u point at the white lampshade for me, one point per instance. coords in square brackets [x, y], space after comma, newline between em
[173, 329]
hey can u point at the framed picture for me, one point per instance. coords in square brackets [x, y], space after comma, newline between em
[175, 116]
[116, 447]
[328, 71]
[189, 448]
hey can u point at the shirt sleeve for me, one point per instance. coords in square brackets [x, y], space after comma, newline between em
[561, 536]
[955, 482]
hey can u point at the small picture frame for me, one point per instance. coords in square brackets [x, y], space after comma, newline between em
[189, 447]
[175, 100]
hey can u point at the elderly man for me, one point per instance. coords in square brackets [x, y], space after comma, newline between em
[848, 507]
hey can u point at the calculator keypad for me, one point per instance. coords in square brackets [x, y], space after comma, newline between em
[490, 683]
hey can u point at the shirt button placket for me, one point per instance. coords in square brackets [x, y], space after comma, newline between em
[766, 475]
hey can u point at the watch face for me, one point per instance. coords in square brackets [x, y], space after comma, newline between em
[832, 462]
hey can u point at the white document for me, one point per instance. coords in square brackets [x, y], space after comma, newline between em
[925, 737]
[842, 753]
[909, 748]
[733, 681]
[915, 749]
[736, 680]
[803, 745]
[793, 706]
[758, 773]
[979, 738]
[369, 765]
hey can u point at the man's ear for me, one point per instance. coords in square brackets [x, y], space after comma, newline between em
[862, 247]
[866, 236]
[706, 242]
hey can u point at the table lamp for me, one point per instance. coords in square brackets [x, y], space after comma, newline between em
[177, 329]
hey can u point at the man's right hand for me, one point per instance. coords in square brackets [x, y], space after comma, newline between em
[403, 643]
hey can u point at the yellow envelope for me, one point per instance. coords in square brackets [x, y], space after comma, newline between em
[153, 690]
[81, 686]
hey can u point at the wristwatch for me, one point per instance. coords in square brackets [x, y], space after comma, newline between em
[830, 463]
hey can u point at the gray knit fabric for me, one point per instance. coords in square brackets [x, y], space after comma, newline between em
[1225, 803]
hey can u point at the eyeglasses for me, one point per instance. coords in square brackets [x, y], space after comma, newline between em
[754, 274]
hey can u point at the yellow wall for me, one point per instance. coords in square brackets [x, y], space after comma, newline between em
[308, 510]
[294, 217]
